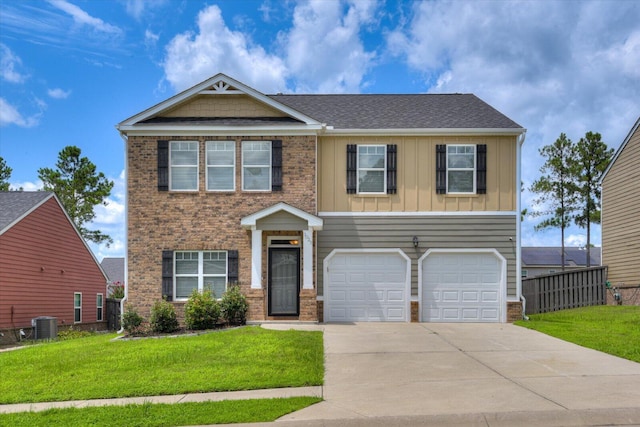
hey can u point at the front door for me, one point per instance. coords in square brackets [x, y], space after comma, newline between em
[284, 281]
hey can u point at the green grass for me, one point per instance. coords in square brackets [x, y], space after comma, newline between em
[610, 329]
[148, 415]
[96, 367]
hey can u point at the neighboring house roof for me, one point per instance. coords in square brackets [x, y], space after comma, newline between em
[549, 256]
[114, 269]
[620, 149]
[425, 113]
[15, 205]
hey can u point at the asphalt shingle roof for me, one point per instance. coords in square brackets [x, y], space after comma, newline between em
[413, 111]
[14, 204]
[114, 269]
[553, 256]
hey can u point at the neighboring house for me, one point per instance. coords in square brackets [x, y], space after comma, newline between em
[537, 261]
[621, 216]
[114, 269]
[46, 268]
[326, 207]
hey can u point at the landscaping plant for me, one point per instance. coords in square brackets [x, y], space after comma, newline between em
[132, 322]
[163, 317]
[202, 311]
[234, 306]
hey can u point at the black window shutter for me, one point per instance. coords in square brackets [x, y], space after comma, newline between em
[352, 166]
[441, 169]
[392, 152]
[163, 165]
[481, 169]
[232, 268]
[167, 275]
[276, 165]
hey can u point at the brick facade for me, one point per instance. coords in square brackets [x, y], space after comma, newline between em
[203, 220]
[514, 311]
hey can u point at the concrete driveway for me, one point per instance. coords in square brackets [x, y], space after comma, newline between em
[468, 374]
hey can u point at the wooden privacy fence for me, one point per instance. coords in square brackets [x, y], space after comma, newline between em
[113, 314]
[571, 289]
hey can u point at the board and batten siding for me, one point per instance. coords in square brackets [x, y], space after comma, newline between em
[621, 216]
[416, 187]
[43, 262]
[456, 232]
[223, 106]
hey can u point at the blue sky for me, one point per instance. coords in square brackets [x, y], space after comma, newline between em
[71, 70]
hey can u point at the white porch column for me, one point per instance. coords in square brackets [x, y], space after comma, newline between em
[307, 259]
[256, 259]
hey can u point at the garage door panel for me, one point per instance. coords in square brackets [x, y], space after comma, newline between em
[461, 287]
[374, 286]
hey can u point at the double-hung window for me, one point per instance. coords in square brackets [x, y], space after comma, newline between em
[201, 270]
[183, 160]
[77, 307]
[371, 168]
[461, 168]
[99, 307]
[256, 165]
[221, 165]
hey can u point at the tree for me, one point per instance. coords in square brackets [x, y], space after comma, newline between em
[591, 159]
[556, 187]
[79, 189]
[5, 174]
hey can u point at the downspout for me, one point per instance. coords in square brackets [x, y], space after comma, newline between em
[521, 139]
[126, 232]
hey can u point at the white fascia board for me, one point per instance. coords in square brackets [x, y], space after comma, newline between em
[417, 214]
[218, 130]
[427, 131]
[203, 88]
[619, 150]
[28, 212]
[313, 222]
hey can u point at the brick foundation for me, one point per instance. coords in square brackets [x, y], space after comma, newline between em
[415, 311]
[629, 295]
[514, 311]
[320, 308]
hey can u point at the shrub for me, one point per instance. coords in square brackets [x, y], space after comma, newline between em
[71, 333]
[131, 321]
[116, 290]
[202, 311]
[163, 317]
[234, 306]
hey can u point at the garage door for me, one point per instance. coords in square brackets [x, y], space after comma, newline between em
[366, 286]
[461, 287]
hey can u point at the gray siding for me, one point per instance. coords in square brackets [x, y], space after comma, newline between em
[432, 231]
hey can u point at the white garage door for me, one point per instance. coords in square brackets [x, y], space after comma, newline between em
[366, 286]
[461, 287]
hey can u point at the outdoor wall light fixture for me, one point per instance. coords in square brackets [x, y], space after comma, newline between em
[415, 241]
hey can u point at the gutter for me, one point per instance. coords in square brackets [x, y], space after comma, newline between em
[521, 139]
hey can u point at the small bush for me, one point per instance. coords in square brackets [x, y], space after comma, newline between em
[71, 333]
[132, 321]
[115, 290]
[202, 311]
[163, 317]
[234, 306]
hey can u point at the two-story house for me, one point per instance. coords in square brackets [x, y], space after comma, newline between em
[326, 207]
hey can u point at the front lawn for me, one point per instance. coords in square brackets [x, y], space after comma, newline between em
[610, 329]
[96, 367]
[151, 415]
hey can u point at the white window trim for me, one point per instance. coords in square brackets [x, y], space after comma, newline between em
[197, 165]
[524, 273]
[268, 189]
[99, 308]
[383, 169]
[200, 275]
[76, 307]
[207, 166]
[475, 171]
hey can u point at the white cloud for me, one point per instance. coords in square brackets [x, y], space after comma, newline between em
[83, 18]
[110, 219]
[26, 186]
[9, 115]
[58, 93]
[193, 57]
[150, 38]
[9, 63]
[139, 8]
[324, 49]
[578, 240]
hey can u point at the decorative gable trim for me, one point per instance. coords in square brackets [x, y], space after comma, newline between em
[220, 84]
[313, 222]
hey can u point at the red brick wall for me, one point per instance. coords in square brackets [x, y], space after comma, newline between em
[201, 220]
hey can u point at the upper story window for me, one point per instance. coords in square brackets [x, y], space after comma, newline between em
[461, 168]
[256, 165]
[221, 169]
[183, 161]
[371, 168]
[201, 270]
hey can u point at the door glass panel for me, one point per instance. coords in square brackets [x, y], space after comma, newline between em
[285, 270]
